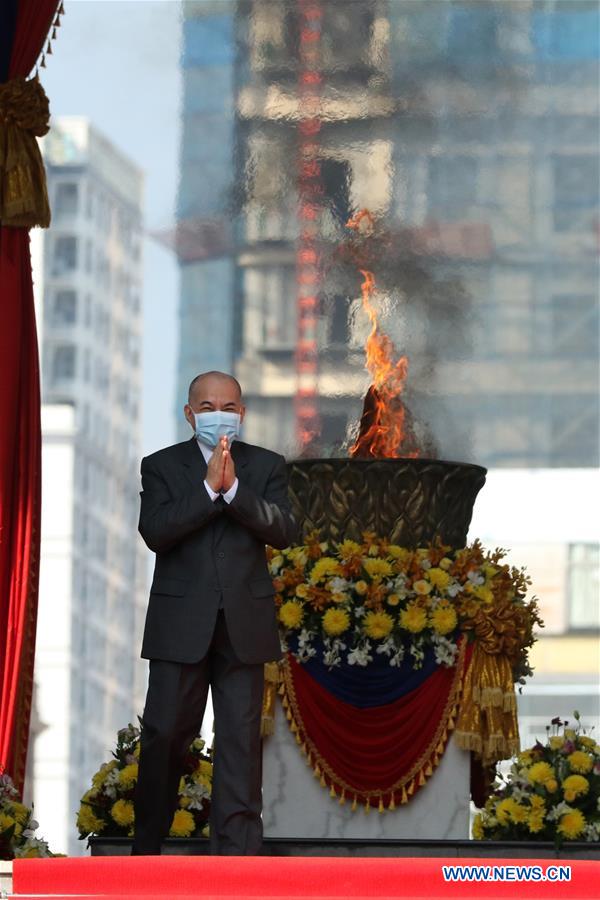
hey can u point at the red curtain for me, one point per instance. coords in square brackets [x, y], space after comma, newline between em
[20, 446]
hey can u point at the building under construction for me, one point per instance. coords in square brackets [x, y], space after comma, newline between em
[469, 131]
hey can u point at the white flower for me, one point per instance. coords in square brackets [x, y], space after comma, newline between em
[338, 585]
[41, 847]
[425, 564]
[110, 784]
[305, 653]
[359, 656]
[475, 577]
[396, 659]
[445, 651]
[592, 831]
[359, 611]
[305, 637]
[388, 646]
[196, 793]
[559, 810]
[453, 589]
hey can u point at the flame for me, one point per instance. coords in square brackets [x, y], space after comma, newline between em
[385, 434]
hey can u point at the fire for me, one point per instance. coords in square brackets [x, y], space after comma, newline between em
[382, 427]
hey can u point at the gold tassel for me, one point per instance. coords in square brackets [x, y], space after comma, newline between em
[353, 809]
[411, 788]
[342, 799]
[367, 807]
[421, 778]
[332, 792]
[298, 740]
[381, 806]
[49, 49]
[322, 782]
[392, 805]
[317, 771]
[429, 770]
[43, 62]
[404, 798]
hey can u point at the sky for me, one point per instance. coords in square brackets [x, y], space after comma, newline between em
[117, 63]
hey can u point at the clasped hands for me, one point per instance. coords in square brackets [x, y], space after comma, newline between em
[220, 472]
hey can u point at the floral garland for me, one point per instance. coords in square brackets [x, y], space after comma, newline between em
[107, 807]
[551, 793]
[17, 826]
[377, 597]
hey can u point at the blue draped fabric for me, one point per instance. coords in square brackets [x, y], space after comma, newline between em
[367, 686]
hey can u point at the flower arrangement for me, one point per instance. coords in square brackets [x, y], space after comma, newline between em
[551, 793]
[377, 597]
[17, 826]
[107, 807]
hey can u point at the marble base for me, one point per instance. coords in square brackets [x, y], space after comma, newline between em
[296, 806]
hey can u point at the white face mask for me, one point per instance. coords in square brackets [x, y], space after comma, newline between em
[210, 426]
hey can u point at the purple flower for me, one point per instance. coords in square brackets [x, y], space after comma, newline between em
[556, 720]
[568, 747]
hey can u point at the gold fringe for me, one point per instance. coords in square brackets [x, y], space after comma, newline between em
[392, 805]
[342, 797]
[367, 806]
[381, 806]
[404, 798]
[332, 792]
[353, 807]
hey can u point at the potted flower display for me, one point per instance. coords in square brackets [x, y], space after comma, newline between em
[17, 826]
[106, 811]
[551, 793]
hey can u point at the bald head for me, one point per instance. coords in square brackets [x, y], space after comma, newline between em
[208, 380]
[212, 391]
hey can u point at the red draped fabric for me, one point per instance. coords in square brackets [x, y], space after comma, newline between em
[20, 446]
[381, 755]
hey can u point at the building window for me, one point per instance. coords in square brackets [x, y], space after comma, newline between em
[575, 325]
[65, 255]
[66, 199]
[452, 187]
[63, 362]
[576, 183]
[583, 586]
[65, 308]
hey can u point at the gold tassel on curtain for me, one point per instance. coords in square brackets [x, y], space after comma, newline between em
[24, 115]
[267, 722]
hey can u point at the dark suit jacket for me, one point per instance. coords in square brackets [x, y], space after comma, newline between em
[206, 550]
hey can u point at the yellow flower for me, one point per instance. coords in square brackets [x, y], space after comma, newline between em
[413, 618]
[570, 734]
[422, 587]
[540, 773]
[572, 824]
[478, 833]
[587, 741]
[336, 621]
[535, 822]
[137, 749]
[489, 571]
[377, 568]
[445, 563]
[128, 776]
[122, 812]
[348, 549]
[556, 742]
[399, 553]
[438, 578]
[290, 614]
[524, 757]
[519, 813]
[205, 768]
[504, 809]
[393, 599]
[183, 824]
[100, 777]
[551, 785]
[20, 812]
[302, 591]
[574, 786]
[361, 587]
[378, 624]
[443, 618]
[484, 593]
[580, 761]
[87, 822]
[6, 822]
[276, 563]
[89, 795]
[327, 565]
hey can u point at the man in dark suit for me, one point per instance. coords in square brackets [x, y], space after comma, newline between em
[208, 508]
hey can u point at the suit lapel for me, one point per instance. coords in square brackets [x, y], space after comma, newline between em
[194, 463]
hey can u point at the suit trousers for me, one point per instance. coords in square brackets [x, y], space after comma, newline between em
[173, 714]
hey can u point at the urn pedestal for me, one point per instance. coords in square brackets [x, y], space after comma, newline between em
[412, 502]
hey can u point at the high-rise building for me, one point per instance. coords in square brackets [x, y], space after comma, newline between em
[87, 273]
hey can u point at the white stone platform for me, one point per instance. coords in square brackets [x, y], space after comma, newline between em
[296, 806]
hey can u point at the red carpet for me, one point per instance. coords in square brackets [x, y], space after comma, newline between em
[310, 877]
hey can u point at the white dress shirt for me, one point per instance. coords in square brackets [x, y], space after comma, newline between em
[227, 495]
